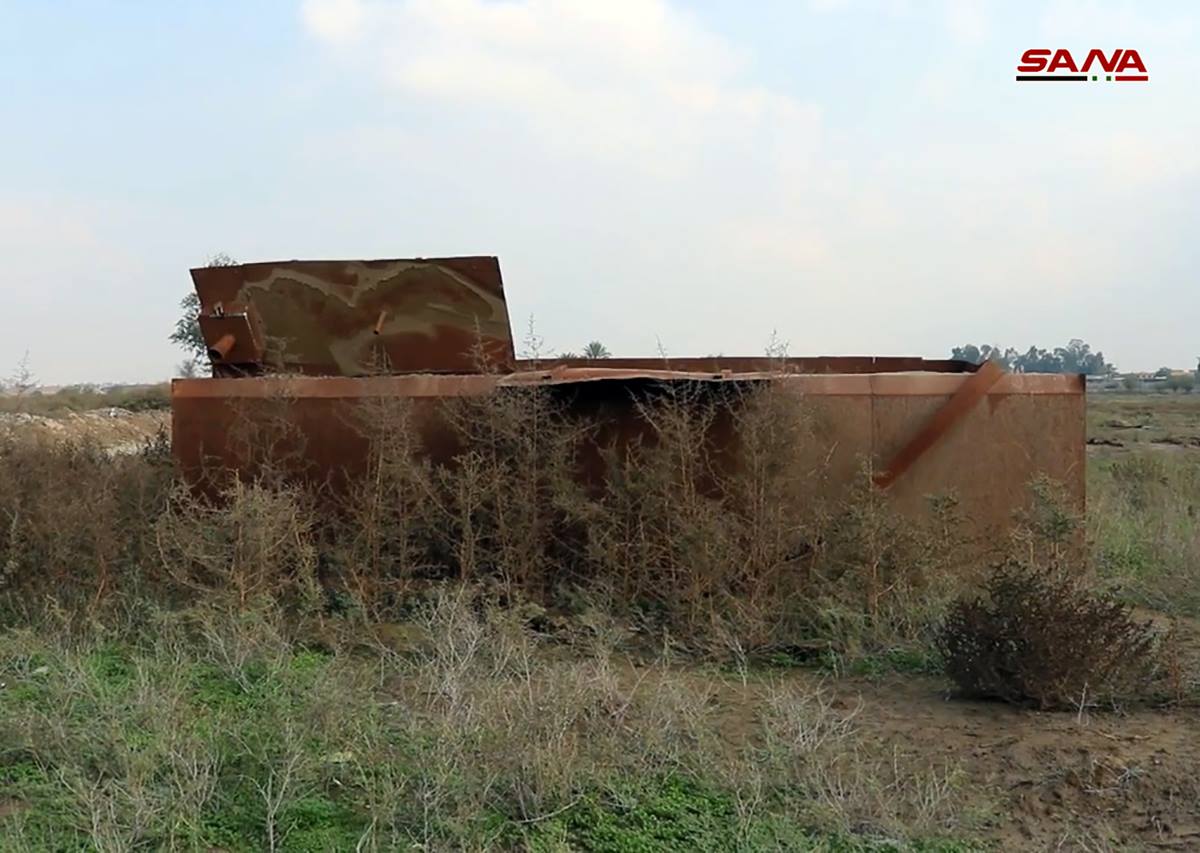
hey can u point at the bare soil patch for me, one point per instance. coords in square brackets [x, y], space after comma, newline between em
[1096, 779]
[118, 430]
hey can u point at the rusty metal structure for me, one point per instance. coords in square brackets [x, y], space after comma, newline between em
[326, 335]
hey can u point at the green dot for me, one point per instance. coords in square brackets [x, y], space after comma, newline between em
[1108, 77]
[1093, 76]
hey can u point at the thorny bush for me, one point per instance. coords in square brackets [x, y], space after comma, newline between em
[1036, 636]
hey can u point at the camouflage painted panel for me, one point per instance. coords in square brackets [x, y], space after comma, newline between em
[352, 318]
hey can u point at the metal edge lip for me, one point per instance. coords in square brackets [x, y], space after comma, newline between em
[458, 385]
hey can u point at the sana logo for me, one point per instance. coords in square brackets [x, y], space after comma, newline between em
[1061, 65]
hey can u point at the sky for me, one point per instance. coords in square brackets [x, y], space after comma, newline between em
[854, 177]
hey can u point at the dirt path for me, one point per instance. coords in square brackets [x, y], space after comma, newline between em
[1096, 780]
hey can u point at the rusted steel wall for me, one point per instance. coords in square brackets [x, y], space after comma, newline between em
[1024, 426]
[355, 318]
[751, 364]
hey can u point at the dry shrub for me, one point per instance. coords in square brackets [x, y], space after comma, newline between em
[1048, 530]
[265, 443]
[724, 523]
[881, 580]
[380, 539]
[253, 543]
[657, 532]
[811, 746]
[708, 523]
[702, 519]
[1037, 636]
[506, 501]
[75, 520]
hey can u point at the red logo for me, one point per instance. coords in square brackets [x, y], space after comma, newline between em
[1061, 65]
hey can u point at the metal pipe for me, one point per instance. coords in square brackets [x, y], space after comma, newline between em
[379, 322]
[221, 349]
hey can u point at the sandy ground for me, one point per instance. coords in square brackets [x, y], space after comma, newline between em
[119, 430]
[1058, 779]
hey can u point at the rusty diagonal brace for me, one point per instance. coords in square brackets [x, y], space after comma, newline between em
[964, 399]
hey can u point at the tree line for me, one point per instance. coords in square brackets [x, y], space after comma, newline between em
[1075, 357]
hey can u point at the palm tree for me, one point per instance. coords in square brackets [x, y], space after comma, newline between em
[595, 349]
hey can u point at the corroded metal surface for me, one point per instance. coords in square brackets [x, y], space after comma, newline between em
[302, 348]
[355, 318]
[968, 395]
[435, 385]
[1025, 424]
[755, 364]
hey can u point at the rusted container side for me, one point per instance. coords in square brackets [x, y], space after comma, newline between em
[1025, 425]
[314, 423]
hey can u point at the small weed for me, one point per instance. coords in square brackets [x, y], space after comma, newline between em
[316, 823]
[906, 661]
[674, 813]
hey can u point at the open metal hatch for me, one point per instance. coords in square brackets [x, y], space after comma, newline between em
[356, 318]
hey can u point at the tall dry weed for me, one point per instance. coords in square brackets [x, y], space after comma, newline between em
[253, 543]
[380, 539]
[76, 521]
[695, 510]
[507, 498]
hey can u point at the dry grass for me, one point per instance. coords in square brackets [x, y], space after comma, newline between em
[76, 522]
[216, 730]
[486, 655]
[1143, 528]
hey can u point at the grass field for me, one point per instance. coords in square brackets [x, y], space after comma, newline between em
[244, 677]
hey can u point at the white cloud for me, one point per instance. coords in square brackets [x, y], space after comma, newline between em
[688, 175]
[338, 21]
[634, 82]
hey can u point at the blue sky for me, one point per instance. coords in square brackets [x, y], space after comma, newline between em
[861, 177]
